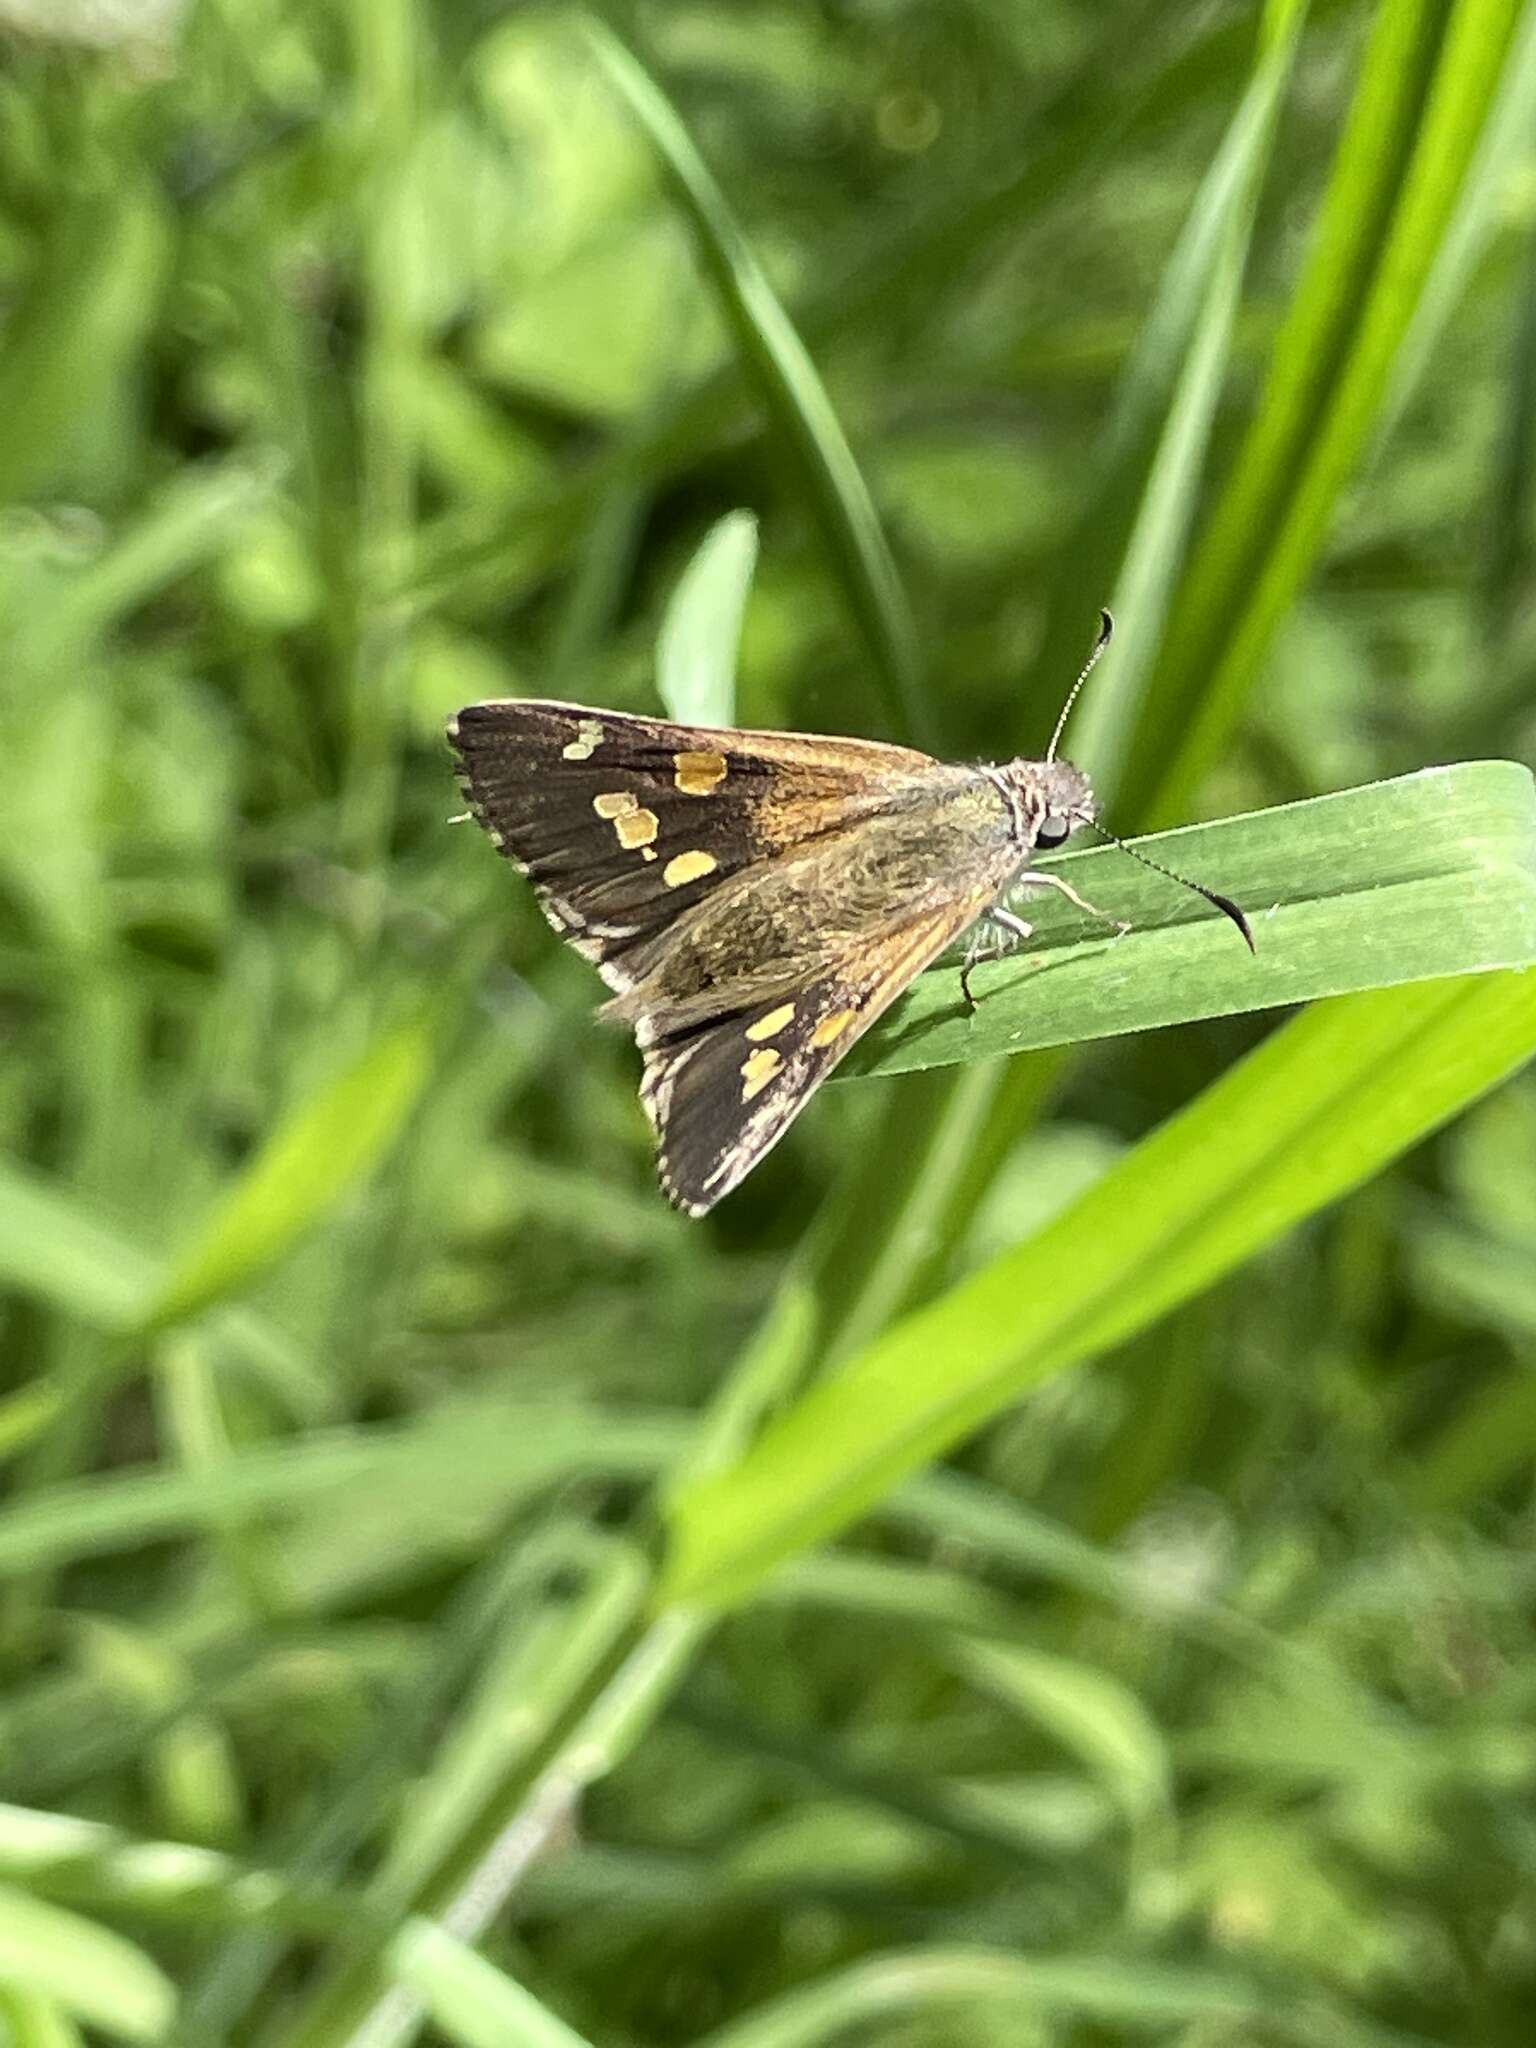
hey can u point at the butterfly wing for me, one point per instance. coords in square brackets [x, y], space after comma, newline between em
[720, 1092]
[756, 899]
[623, 823]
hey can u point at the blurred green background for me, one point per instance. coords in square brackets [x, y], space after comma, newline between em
[364, 357]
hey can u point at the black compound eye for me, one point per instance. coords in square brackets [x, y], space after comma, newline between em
[1052, 832]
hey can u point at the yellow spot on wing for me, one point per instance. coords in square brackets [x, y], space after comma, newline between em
[832, 1026]
[688, 867]
[774, 1022]
[637, 828]
[647, 853]
[758, 1070]
[698, 773]
[589, 737]
[615, 803]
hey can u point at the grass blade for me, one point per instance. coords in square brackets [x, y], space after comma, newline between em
[53, 1247]
[957, 1981]
[791, 387]
[1428, 875]
[86, 1969]
[305, 1167]
[906, 1213]
[696, 649]
[1316, 1110]
[1426, 89]
[1131, 535]
[474, 2003]
[517, 1446]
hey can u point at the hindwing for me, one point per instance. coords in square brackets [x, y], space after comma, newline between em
[721, 1091]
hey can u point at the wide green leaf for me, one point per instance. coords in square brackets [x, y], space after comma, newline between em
[1429, 875]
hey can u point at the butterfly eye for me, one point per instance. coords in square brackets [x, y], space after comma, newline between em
[1053, 830]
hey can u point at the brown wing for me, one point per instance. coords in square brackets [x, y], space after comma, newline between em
[722, 1092]
[625, 823]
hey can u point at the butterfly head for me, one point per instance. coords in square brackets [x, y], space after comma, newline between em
[1052, 798]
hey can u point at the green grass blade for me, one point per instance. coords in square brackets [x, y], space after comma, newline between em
[1317, 1109]
[1090, 1714]
[791, 387]
[474, 2003]
[52, 1246]
[907, 1213]
[313, 1159]
[958, 1981]
[516, 1446]
[1419, 117]
[78, 328]
[56, 1248]
[1131, 535]
[36, 2022]
[1481, 210]
[696, 649]
[89, 1971]
[1429, 875]
[1511, 498]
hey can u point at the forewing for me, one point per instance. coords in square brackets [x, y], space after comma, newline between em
[624, 823]
[721, 1093]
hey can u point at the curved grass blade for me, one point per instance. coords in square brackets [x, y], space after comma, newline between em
[83, 1967]
[696, 649]
[313, 1158]
[1428, 875]
[1416, 126]
[956, 1982]
[472, 2001]
[1131, 535]
[793, 391]
[907, 1211]
[1319, 1108]
[513, 1448]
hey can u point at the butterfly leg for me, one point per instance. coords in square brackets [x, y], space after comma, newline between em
[985, 944]
[1036, 879]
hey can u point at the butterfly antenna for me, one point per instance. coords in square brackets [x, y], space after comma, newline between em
[1223, 903]
[1106, 634]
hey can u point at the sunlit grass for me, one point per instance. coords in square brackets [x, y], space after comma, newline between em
[422, 1612]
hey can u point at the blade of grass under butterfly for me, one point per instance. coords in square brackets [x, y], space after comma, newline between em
[791, 388]
[1428, 875]
[1321, 1106]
